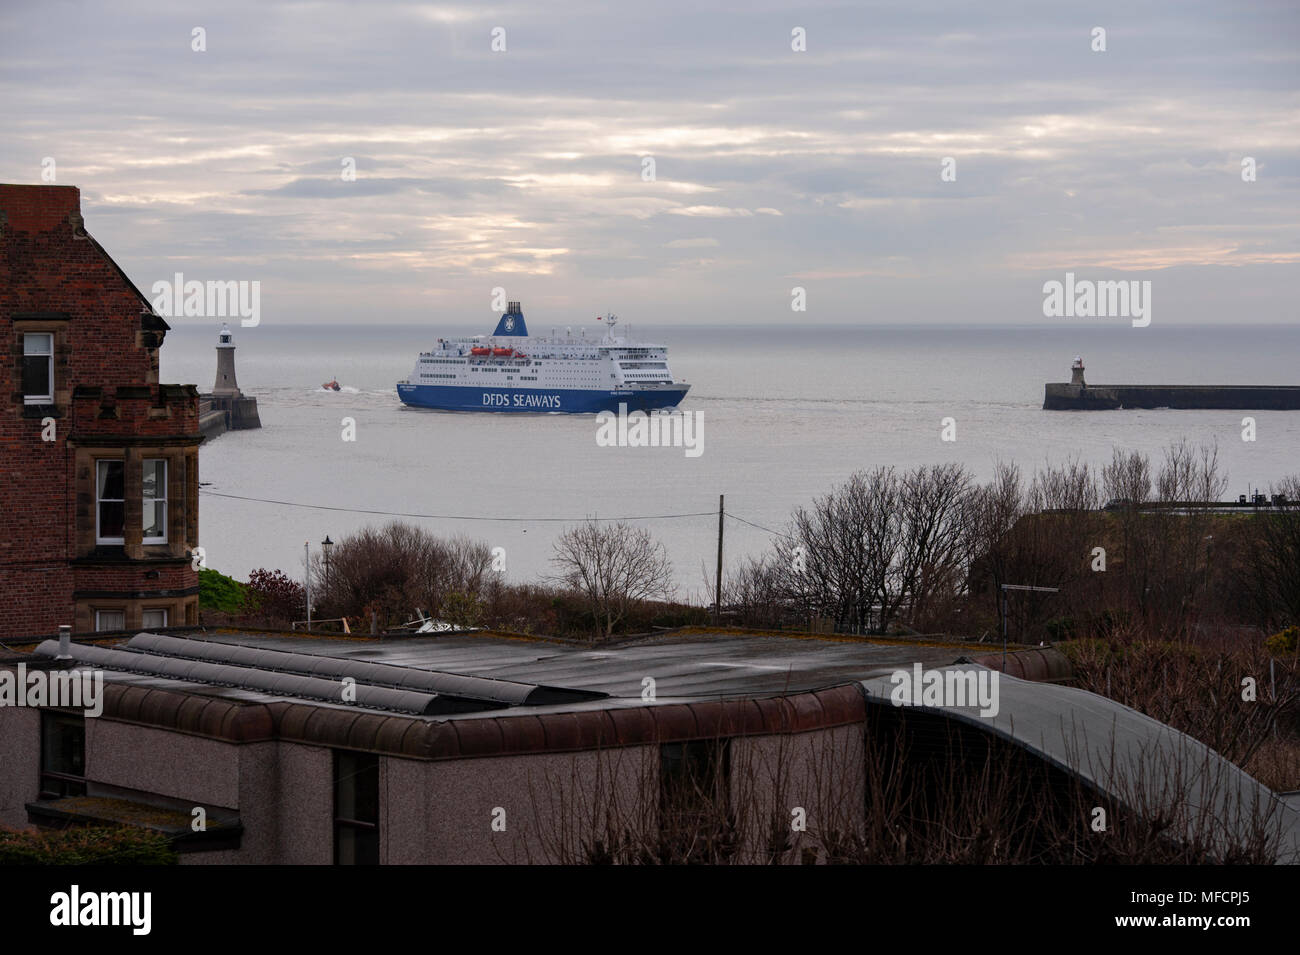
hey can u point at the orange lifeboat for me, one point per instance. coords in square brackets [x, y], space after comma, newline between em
[503, 352]
[480, 351]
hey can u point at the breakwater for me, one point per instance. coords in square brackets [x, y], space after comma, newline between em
[1068, 396]
[1078, 395]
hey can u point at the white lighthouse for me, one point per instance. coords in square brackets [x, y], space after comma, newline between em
[1076, 372]
[226, 384]
[226, 408]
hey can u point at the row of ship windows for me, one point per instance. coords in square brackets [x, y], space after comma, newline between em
[429, 374]
[627, 376]
[572, 364]
[523, 377]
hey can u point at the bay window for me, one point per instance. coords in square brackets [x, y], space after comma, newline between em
[154, 493]
[110, 501]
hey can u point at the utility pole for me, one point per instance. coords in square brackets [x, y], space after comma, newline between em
[717, 584]
[306, 551]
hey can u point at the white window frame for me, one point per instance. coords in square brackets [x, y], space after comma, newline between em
[162, 499]
[45, 399]
[100, 538]
[100, 613]
[148, 610]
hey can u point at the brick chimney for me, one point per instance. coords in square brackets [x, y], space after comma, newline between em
[39, 208]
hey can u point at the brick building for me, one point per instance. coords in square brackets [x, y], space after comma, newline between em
[98, 461]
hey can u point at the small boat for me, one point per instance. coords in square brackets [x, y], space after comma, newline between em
[503, 352]
[331, 385]
[480, 351]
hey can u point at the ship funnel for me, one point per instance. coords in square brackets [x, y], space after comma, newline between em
[512, 322]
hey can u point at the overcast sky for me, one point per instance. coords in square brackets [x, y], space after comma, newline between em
[773, 168]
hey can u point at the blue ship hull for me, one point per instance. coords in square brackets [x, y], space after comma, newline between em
[525, 400]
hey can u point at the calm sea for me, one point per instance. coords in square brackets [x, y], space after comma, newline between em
[788, 412]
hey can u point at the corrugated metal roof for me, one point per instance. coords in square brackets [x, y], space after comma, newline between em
[1135, 759]
[278, 684]
[462, 686]
[566, 677]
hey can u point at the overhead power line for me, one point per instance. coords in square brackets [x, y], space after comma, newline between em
[759, 526]
[459, 517]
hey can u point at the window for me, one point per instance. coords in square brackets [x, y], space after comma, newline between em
[150, 619]
[356, 808]
[694, 793]
[154, 492]
[110, 620]
[38, 368]
[110, 502]
[63, 754]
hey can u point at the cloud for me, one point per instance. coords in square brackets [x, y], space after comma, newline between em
[821, 165]
[709, 211]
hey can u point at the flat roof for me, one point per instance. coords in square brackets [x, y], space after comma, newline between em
[686, 666]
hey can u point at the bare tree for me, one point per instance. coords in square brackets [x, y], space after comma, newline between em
[937, 512]
[1188, 483]
[756, 590]
[1164, 540]
[1071, 487]
[843, 548]
[1127, 479]
[995, 510]
[398, 568]
[613, 566]
[1274, 559]
[1041, 536]
[881, 547]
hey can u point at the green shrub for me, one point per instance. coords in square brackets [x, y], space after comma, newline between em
[91, 845]
[1284, 642]
[221, 593]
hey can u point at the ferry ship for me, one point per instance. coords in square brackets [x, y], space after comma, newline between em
[511, 370]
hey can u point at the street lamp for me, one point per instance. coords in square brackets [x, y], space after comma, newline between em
[325, 547]
[306, 565]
